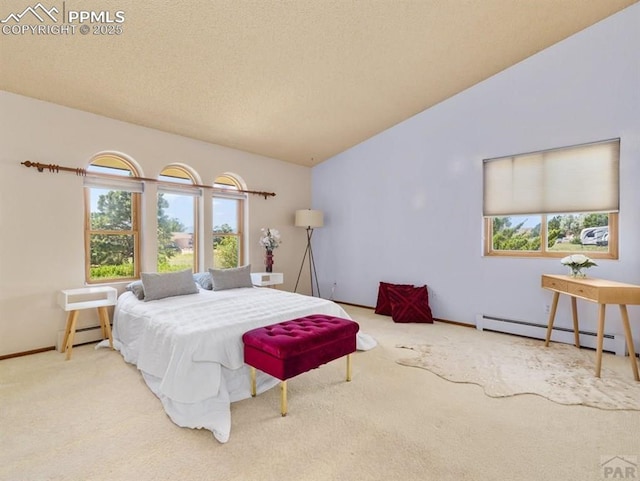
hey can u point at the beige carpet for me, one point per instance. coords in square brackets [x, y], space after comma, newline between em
[93, 418]
[509, 365]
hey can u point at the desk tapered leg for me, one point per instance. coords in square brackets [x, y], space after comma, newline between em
[601, 310]
[576, 329]
[629, 338]
[552, 316]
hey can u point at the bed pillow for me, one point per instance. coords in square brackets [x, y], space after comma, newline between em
[383, 307]
[203, 279]
[137, 289]
[168, 284]
[410, 304]
[232, 278]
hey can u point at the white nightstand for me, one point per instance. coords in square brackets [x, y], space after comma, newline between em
[73, 300]
[265, 279]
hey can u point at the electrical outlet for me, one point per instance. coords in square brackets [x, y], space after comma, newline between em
[547, 308]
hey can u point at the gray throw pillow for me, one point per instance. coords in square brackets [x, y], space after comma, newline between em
[137, 289]
[203, 279]
[169, 284]
[231, 278]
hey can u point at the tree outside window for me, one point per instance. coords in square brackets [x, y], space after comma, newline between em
[112, 212]
[228, 208]
[177, 220]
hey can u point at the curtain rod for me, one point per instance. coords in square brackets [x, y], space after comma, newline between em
[83, 173]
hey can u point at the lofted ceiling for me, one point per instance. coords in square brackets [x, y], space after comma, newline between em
[297, 80]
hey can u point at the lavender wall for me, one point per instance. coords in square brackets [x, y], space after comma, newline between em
[406, 205]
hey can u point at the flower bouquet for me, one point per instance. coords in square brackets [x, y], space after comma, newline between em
[270, 239]
[576, 263]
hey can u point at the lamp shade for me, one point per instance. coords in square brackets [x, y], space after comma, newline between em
[309, 218]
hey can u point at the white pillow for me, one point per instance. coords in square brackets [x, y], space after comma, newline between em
[169, 284]
[203, 279]
[137, 288]
[231, 278]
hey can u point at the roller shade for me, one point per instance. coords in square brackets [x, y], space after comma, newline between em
[228, 194]
[582, 178]
[114, 183]
[179, 189]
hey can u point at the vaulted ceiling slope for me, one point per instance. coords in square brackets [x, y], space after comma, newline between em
[297, 80]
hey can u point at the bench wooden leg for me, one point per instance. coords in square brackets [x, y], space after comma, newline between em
[348, 367]
[253, 382]
[283, 398]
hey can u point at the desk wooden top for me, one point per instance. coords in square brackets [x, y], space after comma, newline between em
[601, 291]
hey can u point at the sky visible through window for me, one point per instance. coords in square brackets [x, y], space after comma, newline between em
[180, 206]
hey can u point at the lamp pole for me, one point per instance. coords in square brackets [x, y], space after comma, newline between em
[309, 219]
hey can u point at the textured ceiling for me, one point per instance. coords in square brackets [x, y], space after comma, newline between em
[297, 80]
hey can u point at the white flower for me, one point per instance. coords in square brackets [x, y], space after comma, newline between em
[577, 260]
[270, 238]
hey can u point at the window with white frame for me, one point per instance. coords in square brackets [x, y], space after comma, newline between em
[553, 202]
[228, 209]
[177, 219]
[112, 213]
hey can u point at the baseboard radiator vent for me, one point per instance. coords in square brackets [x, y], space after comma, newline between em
[614, 343]
[83, 336]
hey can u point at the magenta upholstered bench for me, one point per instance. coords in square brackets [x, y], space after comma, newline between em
[289, 348]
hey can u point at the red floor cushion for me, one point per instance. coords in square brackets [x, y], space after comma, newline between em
[383, 305]
[410, 304]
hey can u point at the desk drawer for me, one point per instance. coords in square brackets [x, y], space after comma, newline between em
[581, 290]
[556, 284]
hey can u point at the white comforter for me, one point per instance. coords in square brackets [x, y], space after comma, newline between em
[190, 352]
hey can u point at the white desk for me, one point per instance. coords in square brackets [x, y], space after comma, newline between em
[267, 279]
[74, 300]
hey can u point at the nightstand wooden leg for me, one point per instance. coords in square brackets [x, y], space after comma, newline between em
[103, 314]
[629, 338]
[70, 333]
[67, 329]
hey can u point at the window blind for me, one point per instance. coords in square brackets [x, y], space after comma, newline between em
[180, 189]
[111, 183]
[228, 194]
[583, 178]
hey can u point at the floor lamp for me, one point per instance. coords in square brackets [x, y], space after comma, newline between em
[309, 219]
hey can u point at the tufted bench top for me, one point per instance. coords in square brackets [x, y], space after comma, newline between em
[297, 336]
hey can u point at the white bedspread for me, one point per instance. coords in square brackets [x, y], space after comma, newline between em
[190, 352]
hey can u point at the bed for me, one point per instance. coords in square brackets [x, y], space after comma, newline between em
[189, 348]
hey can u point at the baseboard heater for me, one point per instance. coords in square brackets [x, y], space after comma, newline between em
[614, 343]
[83, 336]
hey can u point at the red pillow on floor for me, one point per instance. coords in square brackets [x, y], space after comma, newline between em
[383, 306]
[410, 304]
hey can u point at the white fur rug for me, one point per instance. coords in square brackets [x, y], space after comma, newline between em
[508, 365]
